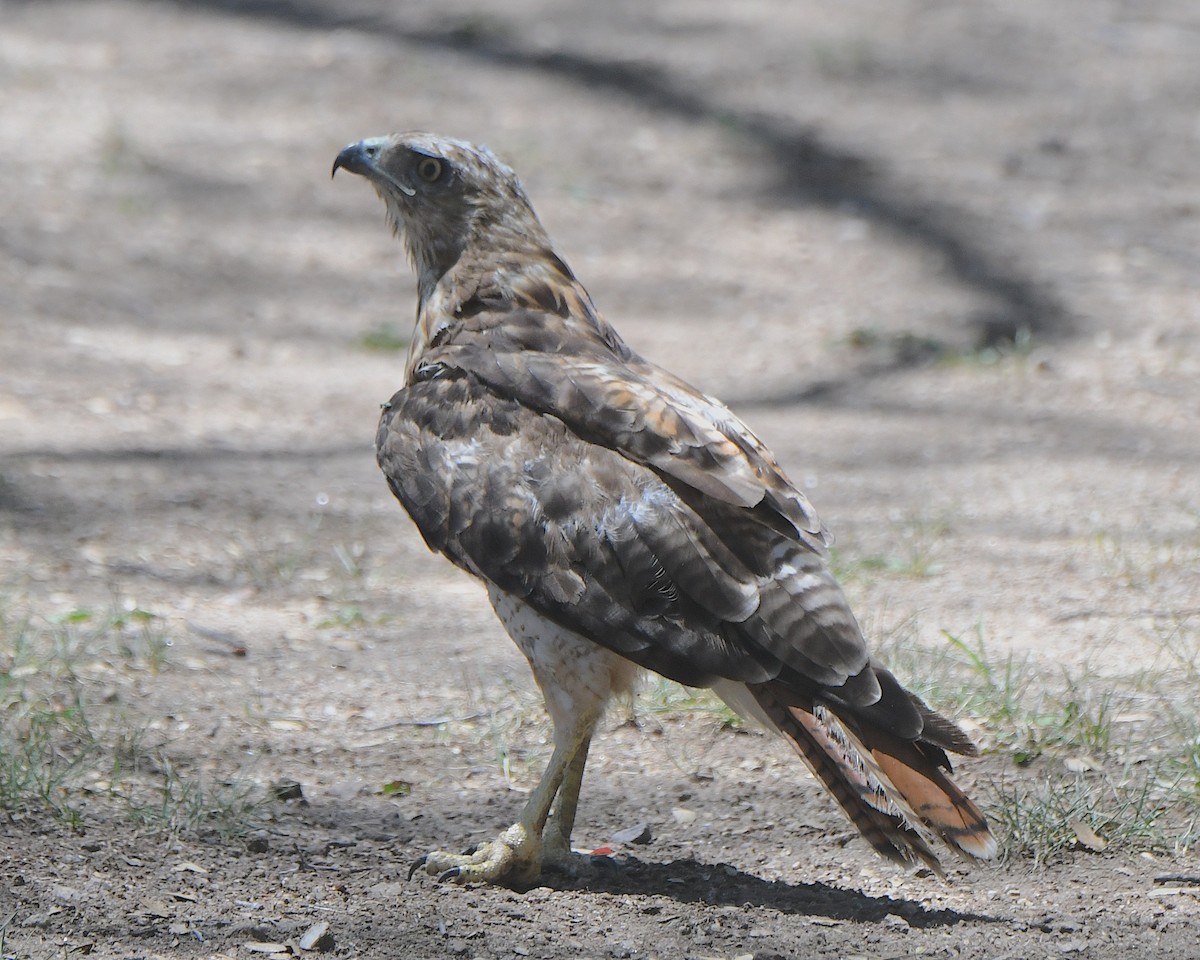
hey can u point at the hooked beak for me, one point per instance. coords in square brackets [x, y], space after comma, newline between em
[364, 158]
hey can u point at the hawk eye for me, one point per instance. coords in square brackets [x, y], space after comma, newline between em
[430, 169]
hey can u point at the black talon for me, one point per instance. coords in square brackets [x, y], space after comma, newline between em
[451, 874]
[421, 861]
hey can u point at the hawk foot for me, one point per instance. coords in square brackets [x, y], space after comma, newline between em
[558, 857]
[514, 859]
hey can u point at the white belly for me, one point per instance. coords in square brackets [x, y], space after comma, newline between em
[577, 676]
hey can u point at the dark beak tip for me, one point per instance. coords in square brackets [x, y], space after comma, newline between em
[349, 159]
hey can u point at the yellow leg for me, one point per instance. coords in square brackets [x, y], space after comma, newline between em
[577, 678]
[517, 855]
[557, 835]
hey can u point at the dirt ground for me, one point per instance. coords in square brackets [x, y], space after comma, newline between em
[798, 206]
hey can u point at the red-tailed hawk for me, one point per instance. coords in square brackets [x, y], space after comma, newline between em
[621, 520]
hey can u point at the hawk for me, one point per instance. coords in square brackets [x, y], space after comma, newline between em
[622, 521]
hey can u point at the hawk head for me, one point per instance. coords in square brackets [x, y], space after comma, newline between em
[446, 196]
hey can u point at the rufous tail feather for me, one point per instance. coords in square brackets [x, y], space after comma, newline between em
[890, 789]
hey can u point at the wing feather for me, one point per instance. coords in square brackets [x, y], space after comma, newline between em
[642, 412]
[630, 508]
[602, 544]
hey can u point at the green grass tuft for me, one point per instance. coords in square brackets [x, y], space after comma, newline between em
[1088, 756]
[70, 751]
[385, 338]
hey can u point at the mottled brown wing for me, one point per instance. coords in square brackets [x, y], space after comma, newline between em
[638, 410]
[688, 585]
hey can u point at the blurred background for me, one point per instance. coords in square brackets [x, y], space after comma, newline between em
[943, 257]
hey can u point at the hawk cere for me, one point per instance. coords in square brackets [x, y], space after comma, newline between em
[621, 519]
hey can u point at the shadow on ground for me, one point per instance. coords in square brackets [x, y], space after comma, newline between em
[691, 881]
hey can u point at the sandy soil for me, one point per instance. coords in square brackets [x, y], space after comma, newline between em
[795, 205]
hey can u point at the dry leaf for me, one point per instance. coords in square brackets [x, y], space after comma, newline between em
[157, 908]
[1088, 837]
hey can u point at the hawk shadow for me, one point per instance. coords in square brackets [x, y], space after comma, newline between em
[721, 884]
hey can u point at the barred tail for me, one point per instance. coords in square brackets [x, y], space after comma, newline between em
[893, 790]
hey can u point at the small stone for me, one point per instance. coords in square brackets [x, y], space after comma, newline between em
[67, 894]
[638, 833]
[287, 790]
[317, 937]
